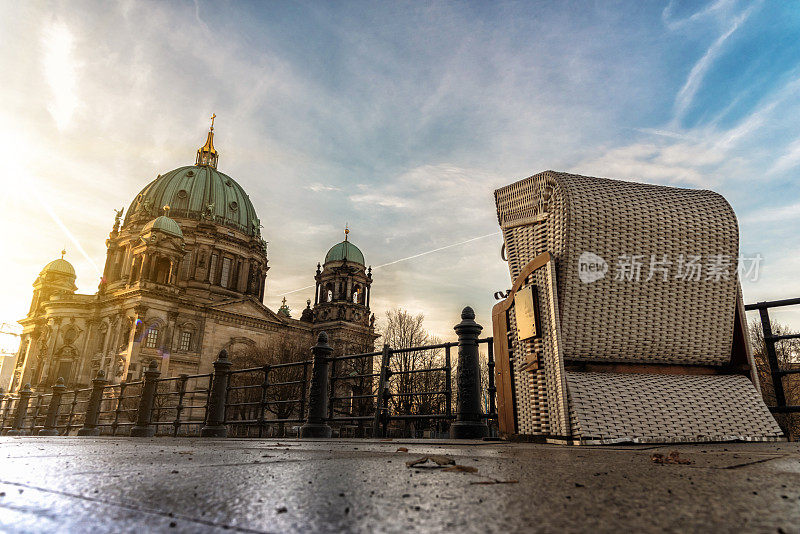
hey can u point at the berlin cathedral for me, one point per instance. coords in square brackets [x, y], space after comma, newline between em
[184, 278]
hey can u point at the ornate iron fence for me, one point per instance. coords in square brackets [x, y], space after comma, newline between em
[395, 391]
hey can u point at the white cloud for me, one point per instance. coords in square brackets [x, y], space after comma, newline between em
[779, 214]
[685, 96]
[789, 160]
[318, 187]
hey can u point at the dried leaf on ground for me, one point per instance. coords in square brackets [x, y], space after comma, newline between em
[461, 468]
[438, 461]
[672, 458]
[494, 481]
[401, 449]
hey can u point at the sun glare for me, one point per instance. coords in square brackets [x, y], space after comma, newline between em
[59, 71]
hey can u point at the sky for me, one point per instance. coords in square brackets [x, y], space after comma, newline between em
[398, 119]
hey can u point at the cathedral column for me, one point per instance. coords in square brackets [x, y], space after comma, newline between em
[218, 271]
[126, 270]
[169, 342]
[152, 268]
[349, 291]
[208, 269]
[143, 269]
[113, 345]
[369, 292]
[25, 367]
[133, 270]
[51, 352]
[135, 339]
[243, 279]
[233, 282]
[84, 358]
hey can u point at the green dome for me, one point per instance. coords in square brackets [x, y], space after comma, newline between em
[59, 266]
[165, 224]
[345, 251]
[197, 192]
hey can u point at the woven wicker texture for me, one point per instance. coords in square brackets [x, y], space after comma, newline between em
[670, 320]
[611, 407]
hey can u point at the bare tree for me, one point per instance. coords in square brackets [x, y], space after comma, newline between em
[412, 370]
[788, 353]
[283, 387]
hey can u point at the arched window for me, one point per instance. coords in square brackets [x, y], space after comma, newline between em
[356, 294]
[186, 341]
[330, 295]
[151, 337]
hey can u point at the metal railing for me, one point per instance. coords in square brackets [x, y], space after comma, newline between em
[357, 394]
[387, 393]
[258, 398]
[777, 374]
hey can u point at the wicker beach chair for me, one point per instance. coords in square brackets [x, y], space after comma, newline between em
[625, 321]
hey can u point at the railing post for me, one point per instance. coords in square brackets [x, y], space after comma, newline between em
[215, 413]
[469, 423]
[72, 405]
[492, 389]
[381, 398]
[4, 400]
[52, 409]
[772, 358]
[22, 411]
[448, 381]
[331, 389]
[176, 424]
[93, 406]
[143, 429]
[315, 426]
[303, 392]
[263, 404]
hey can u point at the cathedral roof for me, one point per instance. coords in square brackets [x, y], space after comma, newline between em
[198, 191]
[165, 224]
[345, 251]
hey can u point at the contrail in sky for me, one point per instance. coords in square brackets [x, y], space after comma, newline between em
[436, 250]
[408, 258]
[66, 231]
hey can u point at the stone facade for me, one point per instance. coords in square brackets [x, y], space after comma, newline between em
[184, 278]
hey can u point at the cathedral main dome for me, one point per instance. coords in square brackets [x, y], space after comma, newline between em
[197, 192]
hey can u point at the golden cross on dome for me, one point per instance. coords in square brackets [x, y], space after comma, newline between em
[346, 230]
[213, 116]
[63, 251]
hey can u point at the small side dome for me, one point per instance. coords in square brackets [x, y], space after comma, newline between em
[164, 224]
[60, 266]
[345, 251]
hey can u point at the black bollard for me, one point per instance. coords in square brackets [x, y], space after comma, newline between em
[92, 416]
[52, 409]
[315, 426]
[469, 423]
[143, 429]
[215, 415]
[22, 411]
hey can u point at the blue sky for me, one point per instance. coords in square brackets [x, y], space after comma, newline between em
[397, 118]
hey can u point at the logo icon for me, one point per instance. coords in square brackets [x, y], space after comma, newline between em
[591, 267]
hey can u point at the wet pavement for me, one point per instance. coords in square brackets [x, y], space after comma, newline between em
[70, 484]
